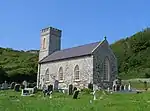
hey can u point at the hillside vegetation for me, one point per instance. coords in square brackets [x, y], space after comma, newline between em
[17, 65]
[133, 55]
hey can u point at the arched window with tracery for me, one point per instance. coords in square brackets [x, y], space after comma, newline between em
[76, 73]
[61, 74]
[106, 69]
[44, 43]
[47, 75]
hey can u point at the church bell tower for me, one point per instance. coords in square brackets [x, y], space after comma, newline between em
[50, 41]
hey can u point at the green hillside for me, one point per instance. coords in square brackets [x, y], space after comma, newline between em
[133, 55]
[17, 65]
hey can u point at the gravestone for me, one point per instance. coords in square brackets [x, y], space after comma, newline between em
[125, 88]
[117, 87]
[145, 85]
[90, 86]
[121, 88]
[25, 84]
[108, 89]
[129, 86]
[12, 85]
[50, 87]
[70, 89]
[35, 89]
[76, 93]
[27, 91]
[74, 89]
[114, 87]
[5, 86]
[56, 85]
[17, 87]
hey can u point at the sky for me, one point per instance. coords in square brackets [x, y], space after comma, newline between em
[81, 21]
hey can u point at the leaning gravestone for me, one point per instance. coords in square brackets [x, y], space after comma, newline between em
[17, 87]
[12, 85]
[70, 89]
[75, 95]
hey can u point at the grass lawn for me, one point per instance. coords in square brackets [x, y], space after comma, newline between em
[12, 101]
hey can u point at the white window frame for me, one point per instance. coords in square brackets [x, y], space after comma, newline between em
[77, 71]
[61, 75]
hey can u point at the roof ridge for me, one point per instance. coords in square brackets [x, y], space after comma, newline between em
[80, 45]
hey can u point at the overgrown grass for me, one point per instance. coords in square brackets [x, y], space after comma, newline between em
[12, 101]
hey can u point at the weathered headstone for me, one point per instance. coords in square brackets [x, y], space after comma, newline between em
[56, 85]
[90, 86]
[117, 87]
[76, 93]
[129, 86]
[145, 85]
[27, 91]
[74, 89]
[50, 87]
[121, 88]
[114, 88]
[35, 89]
[25, 84]
[17, 87]
[5, 86]
[125, 88]
[70, 89]
[12, 85]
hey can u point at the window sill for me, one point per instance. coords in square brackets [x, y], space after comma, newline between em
[76, 80]
[61, 81]
[47, 81]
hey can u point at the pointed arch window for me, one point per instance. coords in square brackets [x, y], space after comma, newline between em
[61, 74]
[76, 73]
[44, 43]
[47, 75]
[106, 69]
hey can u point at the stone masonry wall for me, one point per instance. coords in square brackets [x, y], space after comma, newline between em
[100, 53]
[85, 67]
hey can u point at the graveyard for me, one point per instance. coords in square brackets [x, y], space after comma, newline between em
[30, 99]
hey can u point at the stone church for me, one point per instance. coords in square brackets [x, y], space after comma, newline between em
[93, 63]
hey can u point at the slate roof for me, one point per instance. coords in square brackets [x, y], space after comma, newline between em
[78, 51]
